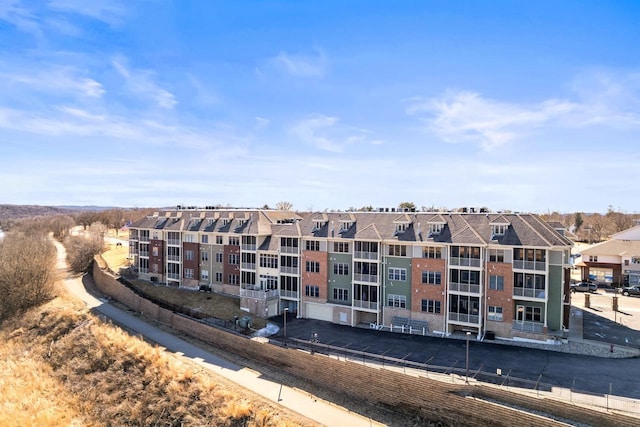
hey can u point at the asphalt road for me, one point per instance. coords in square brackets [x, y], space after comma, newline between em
[578, 372]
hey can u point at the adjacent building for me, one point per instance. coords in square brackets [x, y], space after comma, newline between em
[438, 273]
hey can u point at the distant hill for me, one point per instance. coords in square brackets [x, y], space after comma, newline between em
[26, 211]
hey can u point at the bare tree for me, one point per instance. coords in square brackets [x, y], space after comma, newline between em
[284, 206]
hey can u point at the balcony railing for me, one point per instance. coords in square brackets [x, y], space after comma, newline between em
[289, 270]
[289, 249]
[370, 305]
[144, 253]
[248, 265]
[529, 265]
[528, 292]
[526, 326]
[464, 287]
[288, 294]
[465, 262]
[369, 278]
[248, 247]
[464, 318]
[173, 242]
[259, 294]
[143, 270]
[173, 257]
[174, 276]
[365, 255]
[144, 239]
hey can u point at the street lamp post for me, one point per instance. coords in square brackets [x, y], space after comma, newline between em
[467, 375]
[286, 310]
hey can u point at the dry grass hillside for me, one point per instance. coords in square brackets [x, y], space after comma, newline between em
[60, 365]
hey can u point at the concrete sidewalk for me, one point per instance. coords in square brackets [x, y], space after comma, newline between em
[310, 406]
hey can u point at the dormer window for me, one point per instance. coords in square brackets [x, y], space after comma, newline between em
[318, 225]
[225, 221]
[344, 226]
[401, 227]
[499, 229]
[435, 228]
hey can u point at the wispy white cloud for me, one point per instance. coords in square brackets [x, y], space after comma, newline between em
[65, 80]
[142, 83]
[602, 98]
[299, 65]
[13, 12]
[262, 123]
[328, 134]
[111, 12]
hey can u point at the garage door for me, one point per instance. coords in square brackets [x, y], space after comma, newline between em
[319, 312]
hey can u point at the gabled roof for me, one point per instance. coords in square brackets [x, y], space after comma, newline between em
[621, 248]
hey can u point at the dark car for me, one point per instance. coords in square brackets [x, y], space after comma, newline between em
[631, 290]
[583, 287]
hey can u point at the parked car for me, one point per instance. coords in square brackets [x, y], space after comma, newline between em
[631, 290]
[583, 287]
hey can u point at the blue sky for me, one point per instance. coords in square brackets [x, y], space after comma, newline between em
[526, 106]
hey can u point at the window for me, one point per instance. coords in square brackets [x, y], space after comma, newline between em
[234, 279]
[225, 221]
[188, 273]
[269, 282]
[234, 259]
[401, 227]
[345, 225]
[219, 240]
[529, 314]
[219, 256]
[155, 251]
[312, 245]
[431, 277]
[318, 225]
[496, 255]
[188, 255]
[269, 260]
[341, 247]
[234, 241]
[341, 268]
[397, 250]
[204, 238]
[496, 283]
[204, 274]
[495, 313]
[189, 238]
[593, 258]
[397, 301]
[435, 228]
[635, 260]
[218, 276]
[341, 294]
[289, 242]
[204, 255]
[432, 252]
[431, 306]
[312, 291]
[313, 267]
[498, 229]
[398, 274]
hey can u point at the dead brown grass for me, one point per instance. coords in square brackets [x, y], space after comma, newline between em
[61, 366]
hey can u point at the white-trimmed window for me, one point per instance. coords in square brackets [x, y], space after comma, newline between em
[218, 276]
[431, 306]
[234, 241]
[401, 227]
[431, 277]
[234, 259]
[204, 255]
[397, 250]
[399, 274]
[312, 245]
[219, 256]
[188, 255]
[189, 238]
[188, 273]
[495, 313]
[593, 258]
[219, 240]
[234, 279]
[498, 229]
[496, 255]
[269, 260]
[312, 291]
[635, 260]
[341, 268]
[312, 267]
[435, 228]
[342, 247]
[399, 301]
[204, 239]
[341, 294]
[432, 252]
[496, 283]
[204, 274]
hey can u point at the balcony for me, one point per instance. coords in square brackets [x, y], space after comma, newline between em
[464, 318]
[525, 326]
[529, 265]
[173, 242]
[365, 255]
[248, 247]
[464, 287]
[369, 278]
[248, 265]
[289, 294]
[289, 249]
[259, 294]
[465, 262]
[289, 270]
[369, 305]
[143, 270]
[173, 258]
[144, 253]
[144, 239]
[174, 276]
[528, 292]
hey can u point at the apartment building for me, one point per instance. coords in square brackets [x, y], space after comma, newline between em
[506, 274]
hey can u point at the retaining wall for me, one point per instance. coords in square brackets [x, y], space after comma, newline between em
[452, 404]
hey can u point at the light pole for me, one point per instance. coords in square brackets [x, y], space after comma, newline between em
[467, 375]
[286, 310]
